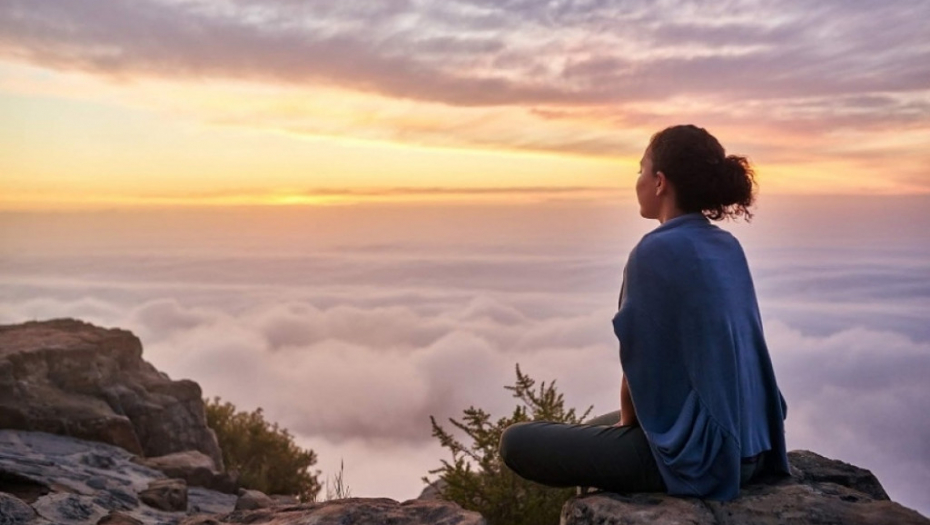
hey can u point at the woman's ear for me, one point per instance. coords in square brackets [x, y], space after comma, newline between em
[662, 184]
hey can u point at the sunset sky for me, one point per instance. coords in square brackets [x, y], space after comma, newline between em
[359, 214]
[160, 102]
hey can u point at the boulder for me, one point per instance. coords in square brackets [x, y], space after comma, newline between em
[69, 509]
[819, 491]
[253, 499]
[64, 480]
[72, 378]
[195, 468]
[351, 510]
[433, 491]
[118, 518]
[166, 494]
[284, 499]
[14, 510]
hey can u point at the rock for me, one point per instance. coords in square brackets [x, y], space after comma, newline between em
[75, 379]
[605, 508]
[201, 500]
[351, 510]
[433, 491]
[104, 477]
[44, 463]
[820, 491]
[201, 520]
[118, 518]
[166, 494]
[813, 468]
[69, 509]
[253, 499]
[195, 468]
[23, 487]
[14, 511]
[284, 499]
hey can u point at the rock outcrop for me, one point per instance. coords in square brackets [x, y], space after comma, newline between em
[57, 480]
[61, 480]
[195, 468]
[820, 491]
[351, 510]
[71, 378]
[253, 499]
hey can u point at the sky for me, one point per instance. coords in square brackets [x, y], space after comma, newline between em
[360, 214]
[213, 102]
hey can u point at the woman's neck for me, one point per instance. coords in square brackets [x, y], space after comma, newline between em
[668, 211]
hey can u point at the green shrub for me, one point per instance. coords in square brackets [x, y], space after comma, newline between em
[477, 478]
[264, 454]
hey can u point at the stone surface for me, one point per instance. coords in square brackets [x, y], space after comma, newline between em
[118, 518]
[195, 468]
[253, 499]
[820, 491]
[284, 499]
[68, 478]
[201, 500]
[814, 468]
[433, 491]
[69, 509]
[166, 494]
[72, 378]
[351, 510]
[14, 511]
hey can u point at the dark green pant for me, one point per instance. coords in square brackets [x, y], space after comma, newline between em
[594, 454]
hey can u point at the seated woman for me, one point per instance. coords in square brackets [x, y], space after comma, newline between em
[700, 411]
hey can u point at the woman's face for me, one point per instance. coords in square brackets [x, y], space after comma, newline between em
[646, 186]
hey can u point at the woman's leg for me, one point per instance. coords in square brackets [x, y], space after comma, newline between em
[610, 418]
[611, 458]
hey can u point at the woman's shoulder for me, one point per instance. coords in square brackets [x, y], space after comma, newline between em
[684, 241]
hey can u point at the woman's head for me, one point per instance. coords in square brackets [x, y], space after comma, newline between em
[703, 178]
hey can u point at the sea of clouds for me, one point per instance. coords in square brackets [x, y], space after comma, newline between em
[351, 326]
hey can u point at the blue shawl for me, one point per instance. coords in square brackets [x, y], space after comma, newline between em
[695, 359]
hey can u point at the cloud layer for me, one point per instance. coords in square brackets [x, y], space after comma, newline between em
[356, 343]
[846, 83]
[469, 52]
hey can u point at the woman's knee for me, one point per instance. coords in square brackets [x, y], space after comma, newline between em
[513, 441]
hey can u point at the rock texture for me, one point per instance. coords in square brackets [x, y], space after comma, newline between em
[75, 379]
[352, 510]
[58, 480]
[195, 468]
[166, 494]
[253, 499]
[13, 510]
[46, 478]
[820, 491]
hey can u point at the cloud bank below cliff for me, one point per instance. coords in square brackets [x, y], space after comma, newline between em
[354, 346]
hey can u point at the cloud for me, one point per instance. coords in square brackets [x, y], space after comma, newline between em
[473, 53]
[858, 394]
[355, 343]
[840, 83]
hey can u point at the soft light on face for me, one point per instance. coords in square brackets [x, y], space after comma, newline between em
[646, 188]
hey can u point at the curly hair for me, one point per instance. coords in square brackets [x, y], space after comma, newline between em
[705, 178]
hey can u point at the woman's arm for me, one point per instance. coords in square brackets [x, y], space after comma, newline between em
[627, 412]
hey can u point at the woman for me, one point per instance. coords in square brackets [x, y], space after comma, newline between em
[700, 411]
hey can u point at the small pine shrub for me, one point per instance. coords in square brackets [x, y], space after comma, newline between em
[477, 478]
[264, 454]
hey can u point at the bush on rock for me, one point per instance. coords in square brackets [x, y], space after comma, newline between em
[264, 454]
[477, 478]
